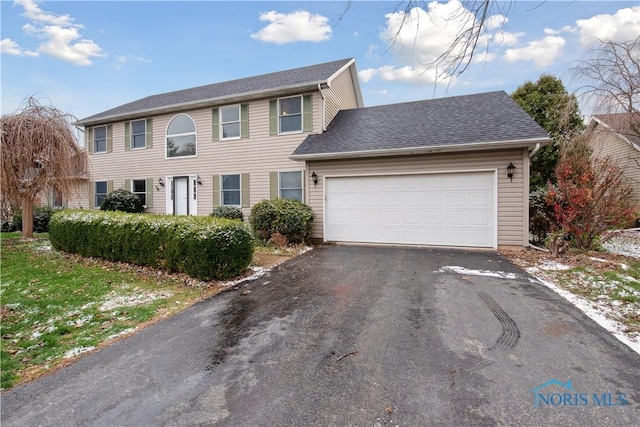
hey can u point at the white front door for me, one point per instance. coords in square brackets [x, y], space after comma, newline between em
[181, 195]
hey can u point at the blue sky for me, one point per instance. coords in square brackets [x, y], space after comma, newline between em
[85, 57]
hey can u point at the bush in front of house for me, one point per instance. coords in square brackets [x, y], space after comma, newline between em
[542, 218]
[202, 247]
[41, 217]
[122, 200]
[291, 218]
[228, 212]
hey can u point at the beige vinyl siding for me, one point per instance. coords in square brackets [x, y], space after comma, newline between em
[340, 96]
[257, 155]
[606, 143]
[511, 200]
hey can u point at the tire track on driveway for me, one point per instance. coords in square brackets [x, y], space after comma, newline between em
[510, 332]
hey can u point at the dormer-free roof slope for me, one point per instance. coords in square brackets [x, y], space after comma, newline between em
[298, 79]
[471, 122]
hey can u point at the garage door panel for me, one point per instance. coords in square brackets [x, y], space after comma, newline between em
[455, 209]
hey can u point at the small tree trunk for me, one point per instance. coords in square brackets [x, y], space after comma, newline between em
[27, 217]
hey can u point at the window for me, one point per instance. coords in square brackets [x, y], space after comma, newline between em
[139, 188]
[181, 137]
[57, 201]
[230, 122]
[138, 134]
[100, 139]
[100, 192]
[231, 190]
[291, 185]
[290, 114]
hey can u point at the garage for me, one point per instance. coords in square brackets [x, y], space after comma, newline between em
[439, 209]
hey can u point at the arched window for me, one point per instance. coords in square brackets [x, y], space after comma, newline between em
[181, 136]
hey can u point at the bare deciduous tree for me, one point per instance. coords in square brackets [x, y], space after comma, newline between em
[610, 78]
[39, 151]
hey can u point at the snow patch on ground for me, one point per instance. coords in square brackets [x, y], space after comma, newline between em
[116, 301]
[597, 312]
[123, 332]
[487, 273]
[625, 243]
[258, 272]
[553, 265]
[77, 351]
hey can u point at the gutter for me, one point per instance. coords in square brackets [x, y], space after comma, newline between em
[476, 146]
[535, 150]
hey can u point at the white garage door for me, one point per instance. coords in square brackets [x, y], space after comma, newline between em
[452, 209]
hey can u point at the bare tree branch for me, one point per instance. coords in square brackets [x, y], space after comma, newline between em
[39, 151]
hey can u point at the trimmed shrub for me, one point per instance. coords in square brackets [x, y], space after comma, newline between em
[41, 217]
[203, 247]
[291, 218]
[228, 212]
[122, 200]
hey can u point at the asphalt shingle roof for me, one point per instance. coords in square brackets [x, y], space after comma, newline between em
[297, 77]
[459, 120]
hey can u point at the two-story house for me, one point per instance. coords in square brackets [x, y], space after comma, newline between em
[445, 172]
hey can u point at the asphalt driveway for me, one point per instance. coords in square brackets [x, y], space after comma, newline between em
[355, 336]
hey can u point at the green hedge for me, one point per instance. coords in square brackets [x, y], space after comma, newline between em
[289, 217]
[203, 247]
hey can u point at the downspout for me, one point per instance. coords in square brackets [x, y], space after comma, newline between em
[535, 150]
[322, 108]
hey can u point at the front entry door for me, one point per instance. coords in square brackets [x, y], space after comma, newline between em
[181, 195]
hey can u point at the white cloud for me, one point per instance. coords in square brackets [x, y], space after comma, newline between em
[33, 12]
[61, 37]
[485, 56]
[622, 26]
[422, 41]
[293, 27]
[505, 38]
[541, 52]
[407, 73]
[65, 43]
[367, 74]
[10, 47]
[122, 60]
[496, 21]
[565, 29]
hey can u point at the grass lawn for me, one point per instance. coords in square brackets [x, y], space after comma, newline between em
[609, 283]
[55, 306]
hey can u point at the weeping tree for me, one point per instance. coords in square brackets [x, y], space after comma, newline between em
[40, 151]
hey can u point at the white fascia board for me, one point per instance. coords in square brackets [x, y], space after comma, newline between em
[478, 146]
[210, 102]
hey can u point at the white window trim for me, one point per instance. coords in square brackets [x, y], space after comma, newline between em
[194, 133]
[131, 147]
[95, 192]
[302, 194]
[221, 189]
[239, 121]
[106, 139]
[145, 189]
[301, 116]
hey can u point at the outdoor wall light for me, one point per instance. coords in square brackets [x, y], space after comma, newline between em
[314, 178]
[160, 182]
[510, 169]
[198, 180]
